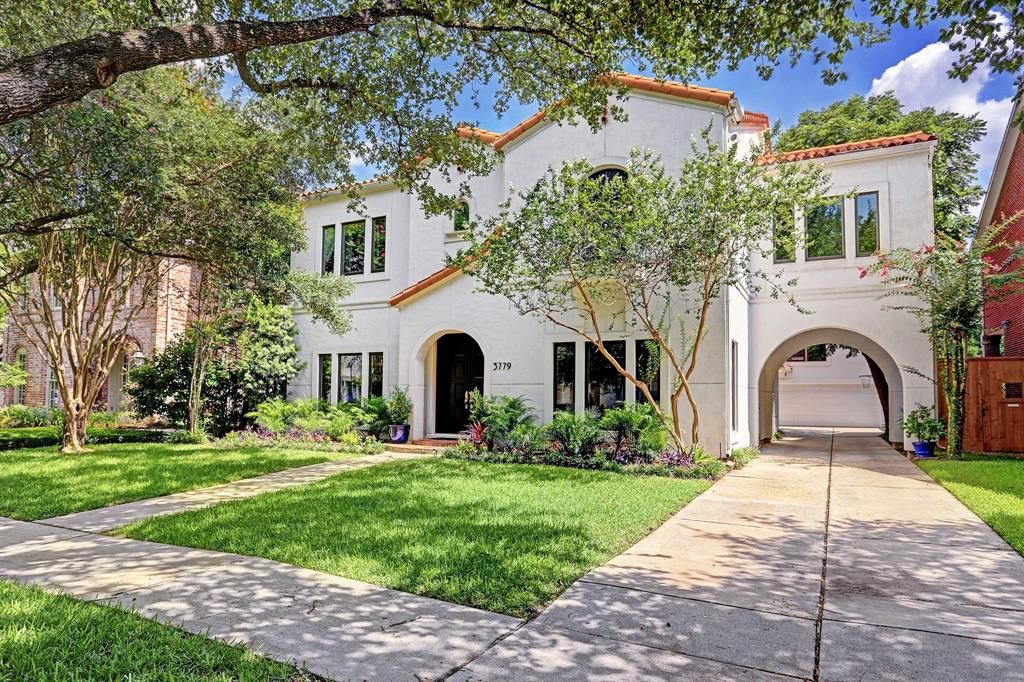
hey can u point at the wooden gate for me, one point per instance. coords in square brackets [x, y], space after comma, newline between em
[995, 405]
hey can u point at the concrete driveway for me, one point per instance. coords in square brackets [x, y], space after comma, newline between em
[830, 557]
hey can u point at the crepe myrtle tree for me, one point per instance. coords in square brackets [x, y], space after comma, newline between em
[653, 249]
[946, 287]
[384, 80]
[100, 200]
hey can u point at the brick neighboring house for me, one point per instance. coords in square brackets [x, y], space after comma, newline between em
[1004, 319]
[153, 328]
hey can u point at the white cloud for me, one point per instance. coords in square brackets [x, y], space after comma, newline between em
[920, 80]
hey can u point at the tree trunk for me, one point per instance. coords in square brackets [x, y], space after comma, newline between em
[956, 396]
[195, 390]
[73, 436]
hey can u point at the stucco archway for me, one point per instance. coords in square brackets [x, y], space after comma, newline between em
[422, 367]
[870, 348]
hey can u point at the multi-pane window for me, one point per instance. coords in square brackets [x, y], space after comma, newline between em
[53, 391]
[21, 360]
[26, 288]
[375, 380]
[565, 377]
[354, 244]
[460, 220]
[784, 238]
[350, 377]
[605, 386]
[648, 369]
[378, 245]
[324, 370]
[867, 223]
[126, 368]
[815, 353]
[823, 226]
[327, 250]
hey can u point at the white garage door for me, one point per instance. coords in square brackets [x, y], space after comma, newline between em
[829, 405]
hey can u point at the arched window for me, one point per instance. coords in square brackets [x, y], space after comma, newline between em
[608, 174]
[21, 360]
[460, 218]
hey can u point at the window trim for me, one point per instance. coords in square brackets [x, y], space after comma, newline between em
[775, 249]
[334, 354]
[554, 383]
[586, 368]
[842, 234]
[344, 248]
[371, 238]
[878, 223]
[334, 249]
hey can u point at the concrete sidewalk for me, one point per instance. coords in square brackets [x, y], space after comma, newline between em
[830, 557]
[108, 518]
[342, 629]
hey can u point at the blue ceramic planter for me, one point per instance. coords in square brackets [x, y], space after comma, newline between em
[399, 433]
[924, 449]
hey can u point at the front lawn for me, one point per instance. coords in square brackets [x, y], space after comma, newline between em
[41, 436]
[992, 487]
[40, 483]
[503, 537]
[50, 638]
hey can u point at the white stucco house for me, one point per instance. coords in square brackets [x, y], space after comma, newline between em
[423, 326]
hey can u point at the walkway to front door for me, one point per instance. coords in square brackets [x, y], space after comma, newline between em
[830, 557]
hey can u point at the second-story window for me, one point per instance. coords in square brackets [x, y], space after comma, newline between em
[784, 239]
[460, 219]
[867, 223]
[823, 227]
[21, 360]
[378, 244]
[327, 250]
[354, 244]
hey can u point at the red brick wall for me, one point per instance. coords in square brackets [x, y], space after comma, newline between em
[1011, 200]
[152, 329]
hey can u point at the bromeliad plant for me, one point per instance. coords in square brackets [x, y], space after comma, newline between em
[945, 288]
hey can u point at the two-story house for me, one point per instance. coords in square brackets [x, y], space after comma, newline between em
[423, 326]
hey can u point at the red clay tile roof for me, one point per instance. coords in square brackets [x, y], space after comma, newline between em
[847, 147]
[423, 284]
[755, 118]
[314, 193]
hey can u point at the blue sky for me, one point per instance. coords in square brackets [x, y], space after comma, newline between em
[912, 62]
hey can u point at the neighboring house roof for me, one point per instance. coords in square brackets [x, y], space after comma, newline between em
[445, 274]
[1002, 164]
[847, 147]
[361, 184]
[755, 118]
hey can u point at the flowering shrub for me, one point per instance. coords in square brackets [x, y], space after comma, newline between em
[300, 439]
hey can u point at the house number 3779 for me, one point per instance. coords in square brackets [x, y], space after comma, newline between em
[501, 366]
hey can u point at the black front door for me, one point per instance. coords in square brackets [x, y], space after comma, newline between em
[460, 369]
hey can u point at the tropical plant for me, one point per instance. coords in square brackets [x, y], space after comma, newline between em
[945, 288]
[637, 432]
[19, 416]
[577, 436]
[655, 249]
[377, 418]
[921, 423]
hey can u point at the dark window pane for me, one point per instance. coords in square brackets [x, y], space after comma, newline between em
[380, 232]
[818, 353]
[327, 251]
[867, 223]
[376, 378]
[565, 377]
[824, 225]
[784, 238]
[799, 356]
[607, 174]
[324, 377]
[461, 218]
[354, 235]
[648, 369]
[350, 377]
[605, 386]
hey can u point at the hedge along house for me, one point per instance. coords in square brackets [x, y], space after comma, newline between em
[421, 325]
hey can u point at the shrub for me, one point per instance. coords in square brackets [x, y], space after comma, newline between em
[637, 433]
[744, 456]
[37, 437]
[298, 438]
[577, 437]
[21, 416]
[399, 406]
[184, 437]
[376, 417]
[923, 425]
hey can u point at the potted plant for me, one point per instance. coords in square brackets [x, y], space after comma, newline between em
[923, 425]
[399, 410]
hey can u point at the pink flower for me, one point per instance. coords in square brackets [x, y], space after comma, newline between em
[863, 272]
[152, 130]
[928, 248]
[885, 271]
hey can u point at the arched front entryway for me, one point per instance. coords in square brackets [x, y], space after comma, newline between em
[447, 365]
[884, 371]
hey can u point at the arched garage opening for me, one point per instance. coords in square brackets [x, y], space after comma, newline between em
[884, 374]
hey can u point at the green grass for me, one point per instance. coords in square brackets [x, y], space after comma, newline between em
[507, 538]
[40, 436]
[51, 638]
[39, 483]
[992, 487]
